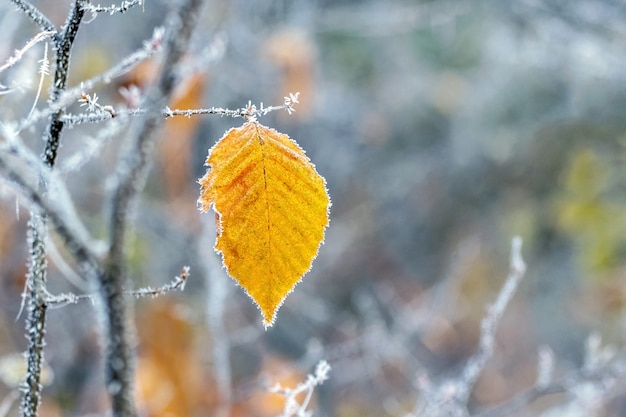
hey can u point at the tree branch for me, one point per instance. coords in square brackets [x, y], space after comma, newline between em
[23, 168]
[133, 170]
[19, 53]
[61, 72]
[37, 266]
[450, 396]
[36, 16]
[70, 96]
[476, 364]
[37, 308]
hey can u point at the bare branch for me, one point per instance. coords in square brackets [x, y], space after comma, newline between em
[101, 113]
[61, 73]
[249, 112]
[70, 96]
[36, 319]
[132, 173]
[450, 396]
[603, 377]
[36, 16]
[21, 166]
[37, 303]
[19, 53]
[294, 408]
[177, 284]
[477, 363]
[92, 145]
[43, 71]
[110, 10]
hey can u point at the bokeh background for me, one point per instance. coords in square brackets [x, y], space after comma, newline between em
[443, 129]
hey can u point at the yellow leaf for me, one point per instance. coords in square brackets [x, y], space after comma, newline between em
[272, 210]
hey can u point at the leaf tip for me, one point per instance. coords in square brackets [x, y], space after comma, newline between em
[267, 323]
[268, 312]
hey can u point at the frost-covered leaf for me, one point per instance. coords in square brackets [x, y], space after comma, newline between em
[272, 211]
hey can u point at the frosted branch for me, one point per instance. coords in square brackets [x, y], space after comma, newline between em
[19, 53]
[586, 387]
[452, 394]
[69, 96]
[92, 145]
[293, 408]
[64, 299]
[476, 364]
[100, 113]
[37, 304]
[110, 10]
[26, 171]
[43, 71]
[36, 16]
[93, 106]
[131, 178]
[36, 315]
[249, 112]
[177, 284]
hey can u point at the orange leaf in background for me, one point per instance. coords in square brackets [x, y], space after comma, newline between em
[174, 150]
[294, 52]
[169, 381]
[272, 210]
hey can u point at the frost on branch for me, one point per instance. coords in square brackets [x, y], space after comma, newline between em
[248, 112]
[177, 284]
[451, 396]
[295, 408]
[110, 10]
[19, 53]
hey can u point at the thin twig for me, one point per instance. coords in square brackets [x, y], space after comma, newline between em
[92, 145]
[450, 396]
[564, 385]
[294, 408]
[66, 270]
[177, 284]
[36, 16]
[476, 364]
[43, 71]
[21, 167]
[110, 10]
[132, 173]
[67, 298]
[70, 96]
[250, 111]
[99, 113]
[19, 53]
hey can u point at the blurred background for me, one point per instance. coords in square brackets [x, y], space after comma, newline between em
[443, 129]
